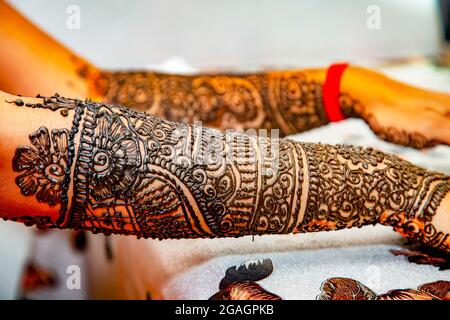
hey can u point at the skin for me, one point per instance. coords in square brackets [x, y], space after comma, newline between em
[135, 174]
[32, 63]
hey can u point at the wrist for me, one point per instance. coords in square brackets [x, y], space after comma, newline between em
[344, 97]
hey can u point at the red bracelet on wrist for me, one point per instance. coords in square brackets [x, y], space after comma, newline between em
[331, 90]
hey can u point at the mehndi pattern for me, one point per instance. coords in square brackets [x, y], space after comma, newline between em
[137, 174]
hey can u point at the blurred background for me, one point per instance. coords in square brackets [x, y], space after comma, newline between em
[237, 34]
[409, 38]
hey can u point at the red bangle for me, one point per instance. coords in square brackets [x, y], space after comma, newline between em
[331, 90]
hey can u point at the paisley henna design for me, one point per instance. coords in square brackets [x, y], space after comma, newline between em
[44, 169]
[137, 174]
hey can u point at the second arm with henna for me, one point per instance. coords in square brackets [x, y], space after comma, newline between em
[290, 101]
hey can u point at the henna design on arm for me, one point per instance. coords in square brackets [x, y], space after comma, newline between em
[137, 174]
[287, 100]
[44, 169]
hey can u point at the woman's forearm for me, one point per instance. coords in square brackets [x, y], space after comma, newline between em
[110, 169]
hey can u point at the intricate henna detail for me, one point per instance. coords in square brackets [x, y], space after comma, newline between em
[407, 294]
[42, 167]
[45, 168]
[138, 174]
[285, 100]
[354, 186]
[417, 230]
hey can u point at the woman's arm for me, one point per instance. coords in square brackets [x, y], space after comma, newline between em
[291, 101]
[110, 169]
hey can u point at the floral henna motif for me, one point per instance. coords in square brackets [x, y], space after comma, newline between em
[439, 289]
[137, 174]
[42, 167]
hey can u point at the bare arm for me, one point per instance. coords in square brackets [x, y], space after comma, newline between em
[110, 169]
